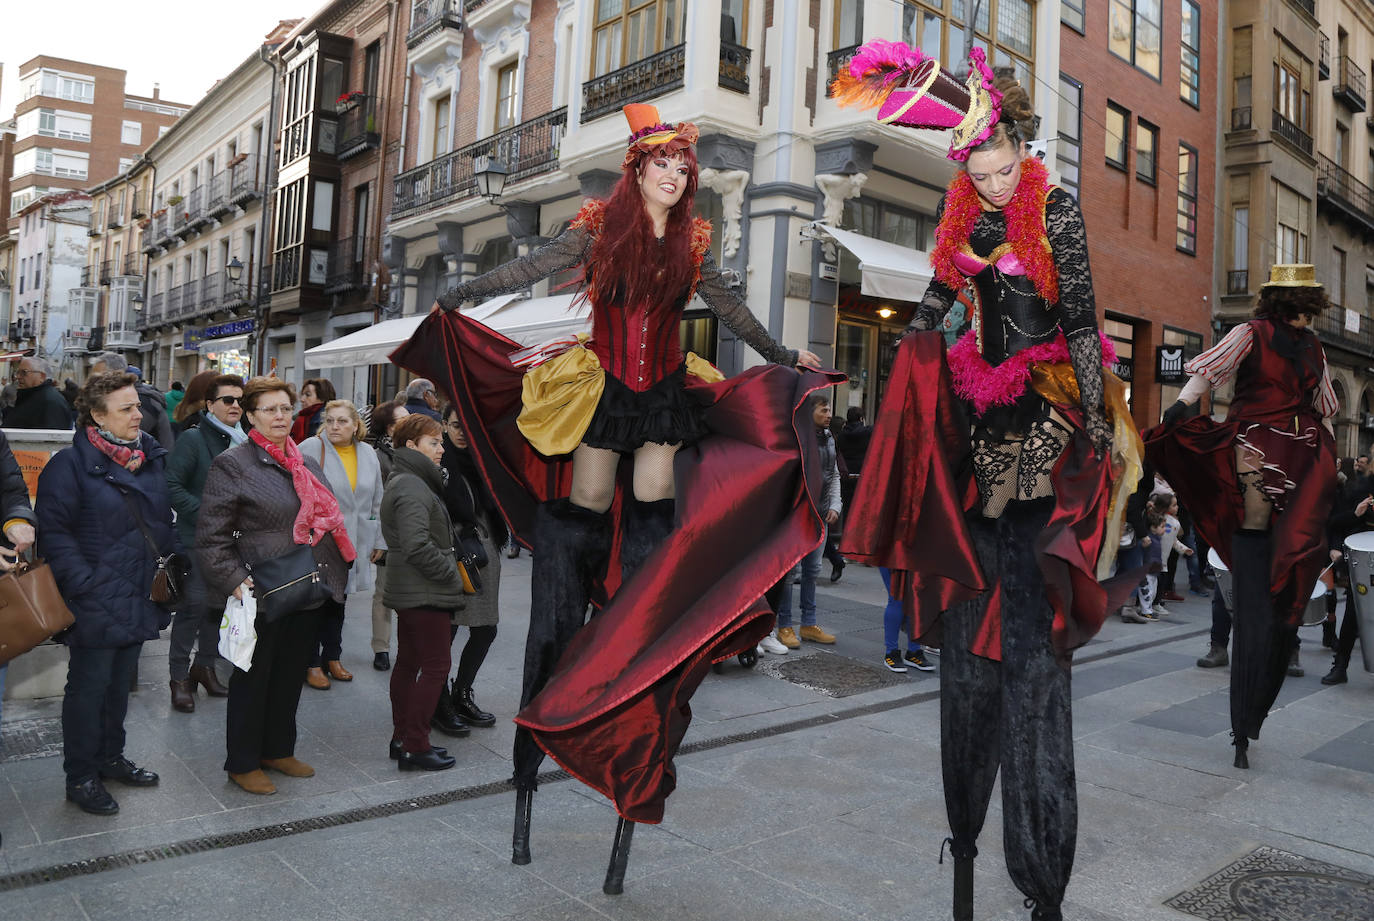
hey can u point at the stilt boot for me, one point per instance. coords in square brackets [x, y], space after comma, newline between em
[1044, 912]
[1242, 745]
[620, 858]
[963, 877]
[520, 841]
[1261, 646]
[647, 524]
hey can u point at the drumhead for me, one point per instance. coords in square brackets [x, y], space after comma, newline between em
[1319, 591]
[1364, 541]
[1214, 558]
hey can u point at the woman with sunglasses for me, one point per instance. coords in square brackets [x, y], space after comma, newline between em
[209, 432]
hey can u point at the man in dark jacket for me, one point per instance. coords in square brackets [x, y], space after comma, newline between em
[38, 404]
[196, 624]
[421, 398]
[156, 420]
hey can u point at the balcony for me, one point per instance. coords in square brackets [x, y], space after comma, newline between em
[174, 296]
[1344, 195]
[190, 213]
[121, 335]
[217, 195]
[430, 18]
[1289, 132]
[138, 208]
[1240, 119]
[528, 149]
[358, 128]
[132, 267]
[1324, 57]
[107, 270]
[1331, 329]
[155, 311]
[115, 220]
[643, 80]
[286, 271]
[95, 227]
[88, 276]
[76, 340]
[1349, 86]
[1238, 281]
[836, 61]
[349, 259]
[734, 67]
[246, 180]
[1310, 6]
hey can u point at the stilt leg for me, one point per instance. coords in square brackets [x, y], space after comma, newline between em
[1242, 745]
[963, 889]
[520, 841]
[620, 858]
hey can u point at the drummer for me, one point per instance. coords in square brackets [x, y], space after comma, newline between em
[1351, 524]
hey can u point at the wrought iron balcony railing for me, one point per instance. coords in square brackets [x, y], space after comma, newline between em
[133, 266]
[734, 67]
[1238, 281]
[835, 61]
[358, 128]
[1348, 196]
[1349, 85]
[246, 180]
[645, 79]
[429, 17]
[1240, 119]
[1324, 57]
[1290, 132]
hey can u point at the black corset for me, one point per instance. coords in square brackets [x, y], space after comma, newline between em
[1014, 315]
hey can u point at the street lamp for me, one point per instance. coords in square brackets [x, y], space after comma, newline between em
[234, 270]
[137, 300]
[490, 174]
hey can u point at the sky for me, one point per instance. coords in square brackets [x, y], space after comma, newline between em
[183, 47]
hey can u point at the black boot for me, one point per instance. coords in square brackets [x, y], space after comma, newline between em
[1329, 629]
[1337, 674]
[520, 841]
[445, 720]
[467, 708]
[620, 858]
[647, 524]
[1242, 745]
[1044, 912]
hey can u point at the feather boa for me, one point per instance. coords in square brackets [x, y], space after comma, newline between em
[986, 385]
[877, 68]
[1025, 216]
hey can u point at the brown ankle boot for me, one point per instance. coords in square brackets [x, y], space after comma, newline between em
[255, 782]
[205, 676]
[315, 677]
[291, 766]
[183, 695]
[337, 671]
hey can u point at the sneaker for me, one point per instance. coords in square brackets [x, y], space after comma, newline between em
[930, 650]
[788, 637]
[1150, 615]
[814, 634]
[918, 661]
[1295, 669]
[1161, 611]
[893, 661]
[1215, 658]
[770, 644]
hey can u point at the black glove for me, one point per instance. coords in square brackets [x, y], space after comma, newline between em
[1175, 414]
[1099, 433]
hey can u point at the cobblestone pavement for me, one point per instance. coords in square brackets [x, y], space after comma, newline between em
[808, 788]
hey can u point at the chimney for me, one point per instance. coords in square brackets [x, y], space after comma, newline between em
[157, 91]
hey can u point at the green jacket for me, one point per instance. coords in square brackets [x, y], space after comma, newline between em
[187, 466]
[421, 570]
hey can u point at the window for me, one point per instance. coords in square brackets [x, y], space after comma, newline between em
[1242, 58]
[734, 21]
[126, 163]
[1117, 121]
[1338, 269]
[52, 83]
[1240, 239]
[1369, 174]
[1069, 150]
[1293, 87]
[505, 94]
[1133, 32]
[1146, 151]
[631, 30]
[131, 133]
[1189, 69]
[1292, 220]
[442, 135]
[1004, 29]
[1071, 14]
[888, 222]
[849, 24]
[1186, 239]
[1342, 146]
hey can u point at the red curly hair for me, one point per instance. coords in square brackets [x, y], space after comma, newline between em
[627, 265]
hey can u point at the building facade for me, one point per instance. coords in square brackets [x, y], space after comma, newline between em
[50, 257]
[111, 289]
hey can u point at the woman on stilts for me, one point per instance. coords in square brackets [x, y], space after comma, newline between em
[992, 484]
[1262, 483]
[557, 432]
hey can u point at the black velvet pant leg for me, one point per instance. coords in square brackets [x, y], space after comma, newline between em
[970, 708]
[1039, 791]
[1261, 643]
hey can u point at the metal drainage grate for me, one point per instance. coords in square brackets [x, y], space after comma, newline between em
[1278, 886]
[21, 740]
[830, 674]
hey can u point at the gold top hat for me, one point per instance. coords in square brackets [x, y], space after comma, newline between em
[1292, 275]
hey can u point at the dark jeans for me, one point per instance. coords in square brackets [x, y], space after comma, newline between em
[1221, 619]
[474, 654]
[422, 663]
[329, 640]
[93, 708]
[261, 719]
[195, 625]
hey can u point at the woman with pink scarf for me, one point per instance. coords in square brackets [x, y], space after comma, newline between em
[262, 500]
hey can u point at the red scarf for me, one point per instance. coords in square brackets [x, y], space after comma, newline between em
[128, 458]
[1025, 216]
[319, 512]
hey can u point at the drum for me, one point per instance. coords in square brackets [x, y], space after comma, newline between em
[1315, 612]
[1359, 553]
[1223, 577]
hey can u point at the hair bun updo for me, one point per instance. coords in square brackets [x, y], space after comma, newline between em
[1016, 102]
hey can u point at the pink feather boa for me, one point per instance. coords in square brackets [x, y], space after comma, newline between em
[986, 385]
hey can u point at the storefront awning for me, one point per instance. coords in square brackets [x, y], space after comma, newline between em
[888, 270]
[15, 356]
[528, 322]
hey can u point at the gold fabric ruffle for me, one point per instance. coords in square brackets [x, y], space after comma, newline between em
[559, 397]
[1057, 384]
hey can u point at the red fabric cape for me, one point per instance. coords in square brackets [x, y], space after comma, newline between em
[908, 511]
[616, 708]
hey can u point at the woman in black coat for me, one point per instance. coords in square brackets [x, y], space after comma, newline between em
[92, 499]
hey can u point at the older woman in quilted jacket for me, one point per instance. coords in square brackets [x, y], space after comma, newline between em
[105, 517]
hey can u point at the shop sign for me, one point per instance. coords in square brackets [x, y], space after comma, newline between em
[234, 328]
[192, 338]
[1169, 362]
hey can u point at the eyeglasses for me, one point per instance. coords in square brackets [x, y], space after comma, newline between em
[284, 410]
[227, 401]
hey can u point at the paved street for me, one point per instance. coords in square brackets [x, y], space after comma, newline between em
[791, 804]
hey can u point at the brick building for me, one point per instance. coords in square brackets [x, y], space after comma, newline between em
[1136, 139]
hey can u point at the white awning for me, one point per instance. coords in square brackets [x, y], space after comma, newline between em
[888, 270]
[526, 321]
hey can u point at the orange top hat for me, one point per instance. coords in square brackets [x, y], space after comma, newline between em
[650, 135]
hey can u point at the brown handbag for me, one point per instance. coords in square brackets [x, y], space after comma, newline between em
[31, 609]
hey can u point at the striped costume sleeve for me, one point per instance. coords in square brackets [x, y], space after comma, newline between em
[1219, 363]
[1324, 399]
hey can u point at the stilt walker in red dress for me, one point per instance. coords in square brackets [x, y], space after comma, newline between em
[1261, 484]
[714, 508]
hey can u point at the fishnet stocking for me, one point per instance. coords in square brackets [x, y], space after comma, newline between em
[594, 469]
[653, 474]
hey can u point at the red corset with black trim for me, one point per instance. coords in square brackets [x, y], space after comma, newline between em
[640, 347]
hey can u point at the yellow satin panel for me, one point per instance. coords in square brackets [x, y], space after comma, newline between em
[558, 399]
[700, 367]
[1057, 384]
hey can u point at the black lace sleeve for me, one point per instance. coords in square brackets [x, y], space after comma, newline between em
[939, 297]
[735, 314]
[1069, 243]
[561, 253]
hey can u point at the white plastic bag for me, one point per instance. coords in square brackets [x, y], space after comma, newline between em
[237, 635]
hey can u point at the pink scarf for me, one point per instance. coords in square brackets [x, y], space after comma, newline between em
[319, 512]
[128, 458]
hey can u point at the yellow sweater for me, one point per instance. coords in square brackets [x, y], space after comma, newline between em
[349, 455]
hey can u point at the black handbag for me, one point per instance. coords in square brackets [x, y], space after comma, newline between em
[287, 583]
[173, 569]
